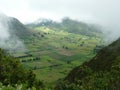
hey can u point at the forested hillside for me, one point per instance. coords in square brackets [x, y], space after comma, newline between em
[101, 73]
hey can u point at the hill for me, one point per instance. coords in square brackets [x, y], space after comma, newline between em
[14, 26]
[57, 51]
[68, 25]
[101, 73]
[12, 33]
[51, 50]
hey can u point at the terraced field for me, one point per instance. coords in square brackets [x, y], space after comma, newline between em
[52, 54]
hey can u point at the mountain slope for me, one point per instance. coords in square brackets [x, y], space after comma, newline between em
[14, 26]
[12, 33]
[68, 25]
[18, 28]
[101, 73]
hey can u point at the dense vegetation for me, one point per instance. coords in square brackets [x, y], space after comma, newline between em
[100, 73]
[13, 73]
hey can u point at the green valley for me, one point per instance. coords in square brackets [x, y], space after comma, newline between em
[52, 53]
[52, 49]
[59, 45]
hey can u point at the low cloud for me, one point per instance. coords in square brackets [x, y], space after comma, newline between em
[8, 40]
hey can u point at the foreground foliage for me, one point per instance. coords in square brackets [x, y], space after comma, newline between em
[12, 73]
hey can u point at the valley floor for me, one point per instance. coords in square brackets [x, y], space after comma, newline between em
[53, 54]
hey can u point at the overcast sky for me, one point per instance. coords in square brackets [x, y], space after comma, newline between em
[30, 10]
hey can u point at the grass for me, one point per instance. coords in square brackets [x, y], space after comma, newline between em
[58, 52]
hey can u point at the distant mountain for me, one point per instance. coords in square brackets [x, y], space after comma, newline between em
[68, 25]
[100, 73]
[14, 26]
[12, 33]
[40, 22]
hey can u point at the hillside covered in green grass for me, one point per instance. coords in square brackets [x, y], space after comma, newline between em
[100, 73]
[51, 50]
[60, 50]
